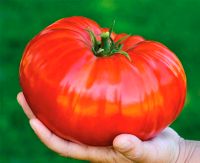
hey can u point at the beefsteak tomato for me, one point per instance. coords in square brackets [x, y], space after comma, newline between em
[88, 84]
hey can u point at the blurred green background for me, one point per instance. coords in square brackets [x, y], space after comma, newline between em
[176, 23]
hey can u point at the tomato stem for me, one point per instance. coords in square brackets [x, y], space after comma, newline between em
[107, 47]
[105, 42]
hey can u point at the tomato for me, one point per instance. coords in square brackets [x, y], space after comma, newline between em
[88, 84]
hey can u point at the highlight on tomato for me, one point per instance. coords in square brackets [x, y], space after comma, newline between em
[88, 84]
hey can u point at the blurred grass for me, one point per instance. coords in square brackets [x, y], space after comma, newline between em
[174, 23]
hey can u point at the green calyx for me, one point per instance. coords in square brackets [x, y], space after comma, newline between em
[106, 46]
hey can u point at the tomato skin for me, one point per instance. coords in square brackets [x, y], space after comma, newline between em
[89, 99]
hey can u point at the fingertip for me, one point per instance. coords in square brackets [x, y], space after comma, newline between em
[125, 141]
[24, 105]
[19, 96]
[35, 124]
[39, 128]
[130, 146]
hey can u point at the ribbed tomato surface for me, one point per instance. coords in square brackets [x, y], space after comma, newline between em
[90, 99]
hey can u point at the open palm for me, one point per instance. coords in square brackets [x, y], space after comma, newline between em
[126, 148]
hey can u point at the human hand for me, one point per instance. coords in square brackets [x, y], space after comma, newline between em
[126, 148]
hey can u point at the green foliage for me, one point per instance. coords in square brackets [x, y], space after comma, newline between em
[174, 23]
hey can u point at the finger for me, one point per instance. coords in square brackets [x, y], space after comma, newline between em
[70, 149]
[151, 150]
[22, 101]
[130, 146]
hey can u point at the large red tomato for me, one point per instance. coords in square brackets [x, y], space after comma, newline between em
[88, 84]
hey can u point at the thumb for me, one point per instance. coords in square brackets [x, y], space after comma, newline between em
[129, 146]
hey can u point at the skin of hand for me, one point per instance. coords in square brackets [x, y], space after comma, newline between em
[165, 148]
